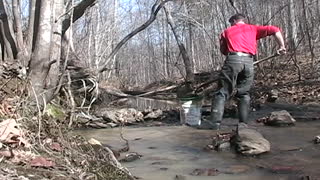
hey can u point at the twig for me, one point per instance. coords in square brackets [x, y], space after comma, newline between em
[127, 147]
[6, 82]
[73, 104]
[66, 13]
[39, 110]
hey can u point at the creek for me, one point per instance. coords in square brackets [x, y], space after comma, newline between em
[178, 150]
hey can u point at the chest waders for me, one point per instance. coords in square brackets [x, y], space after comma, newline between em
[236, 79]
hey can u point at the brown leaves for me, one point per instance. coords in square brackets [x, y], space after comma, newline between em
[11, 134]
[42, 162]
[8, 110]
[56, 147]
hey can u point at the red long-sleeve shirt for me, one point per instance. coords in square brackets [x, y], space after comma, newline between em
[243, 37]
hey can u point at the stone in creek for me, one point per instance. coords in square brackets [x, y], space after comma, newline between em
[249, 141]
[280, 118]
[205, 172]
[317, 140]
[236, 169]
[180, 177]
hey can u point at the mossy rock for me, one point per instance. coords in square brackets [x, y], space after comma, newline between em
[55, 111]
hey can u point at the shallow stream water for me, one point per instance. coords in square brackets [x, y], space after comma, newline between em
[168, 151]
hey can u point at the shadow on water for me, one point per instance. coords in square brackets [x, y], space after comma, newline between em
[169, 151]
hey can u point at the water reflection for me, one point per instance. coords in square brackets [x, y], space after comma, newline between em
[142, 103]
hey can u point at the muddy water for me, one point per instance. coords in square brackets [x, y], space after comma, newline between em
[178, 150]
[169, 151]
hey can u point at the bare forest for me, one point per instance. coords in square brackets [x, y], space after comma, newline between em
[66, 55]
[135, 43]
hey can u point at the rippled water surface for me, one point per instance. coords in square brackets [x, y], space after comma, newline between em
[178, 150]
[168, 151]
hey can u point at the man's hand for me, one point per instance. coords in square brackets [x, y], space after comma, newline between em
[281, 51]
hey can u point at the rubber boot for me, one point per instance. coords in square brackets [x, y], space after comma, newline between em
[243, 108]
[217, 110]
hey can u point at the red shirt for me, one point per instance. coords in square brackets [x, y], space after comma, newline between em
[243, 37]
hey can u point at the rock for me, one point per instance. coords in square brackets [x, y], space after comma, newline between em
[205, 172]
[273, 95]
[163, 169]
[84, 118]
[180, 177]
[93, 141]
[221, 141]
[154, 114]
[55, 112]
[236, 169]
[112, 124]
[118, 116]
[316, 140]
[131, 157]
[249, 141]
[285, 169]
[224, 146]
[279, 118]
[280, 169]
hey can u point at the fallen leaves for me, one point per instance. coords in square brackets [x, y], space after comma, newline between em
[42, 162]
[10, 133]
[56, 147]
[7, 109]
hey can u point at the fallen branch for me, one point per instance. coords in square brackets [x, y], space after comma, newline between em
[159, 90]
[265, 59]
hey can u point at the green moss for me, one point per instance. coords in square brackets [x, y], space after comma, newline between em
[55, 112]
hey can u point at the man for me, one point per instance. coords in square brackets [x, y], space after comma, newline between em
[238, 43]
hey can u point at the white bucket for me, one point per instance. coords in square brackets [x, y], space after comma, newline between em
[190, 112]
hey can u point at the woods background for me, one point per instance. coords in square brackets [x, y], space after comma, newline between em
[45, 37]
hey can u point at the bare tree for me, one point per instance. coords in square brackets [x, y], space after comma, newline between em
[40, 49]
[184, 54]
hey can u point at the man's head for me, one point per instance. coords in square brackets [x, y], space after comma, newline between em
[237, 18]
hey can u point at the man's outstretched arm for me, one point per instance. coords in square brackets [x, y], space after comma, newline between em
[280, 41]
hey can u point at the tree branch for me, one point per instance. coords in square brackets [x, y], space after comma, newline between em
[78, 11]
[154, 11]
[186, 59]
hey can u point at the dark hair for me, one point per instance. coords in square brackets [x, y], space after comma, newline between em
[237, 17]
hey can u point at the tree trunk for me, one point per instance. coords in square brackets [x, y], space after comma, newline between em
[6, 48]
[8, 40]
[292, 25]
[18, 28]
[40, 60]
[30, 32]
[56, 69]
[185, 56]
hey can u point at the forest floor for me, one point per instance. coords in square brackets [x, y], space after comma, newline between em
[34, 147]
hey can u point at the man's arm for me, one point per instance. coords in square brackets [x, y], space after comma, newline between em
[280, 41]
[263, 31]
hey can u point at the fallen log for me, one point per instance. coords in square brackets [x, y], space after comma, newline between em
[158, 90]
